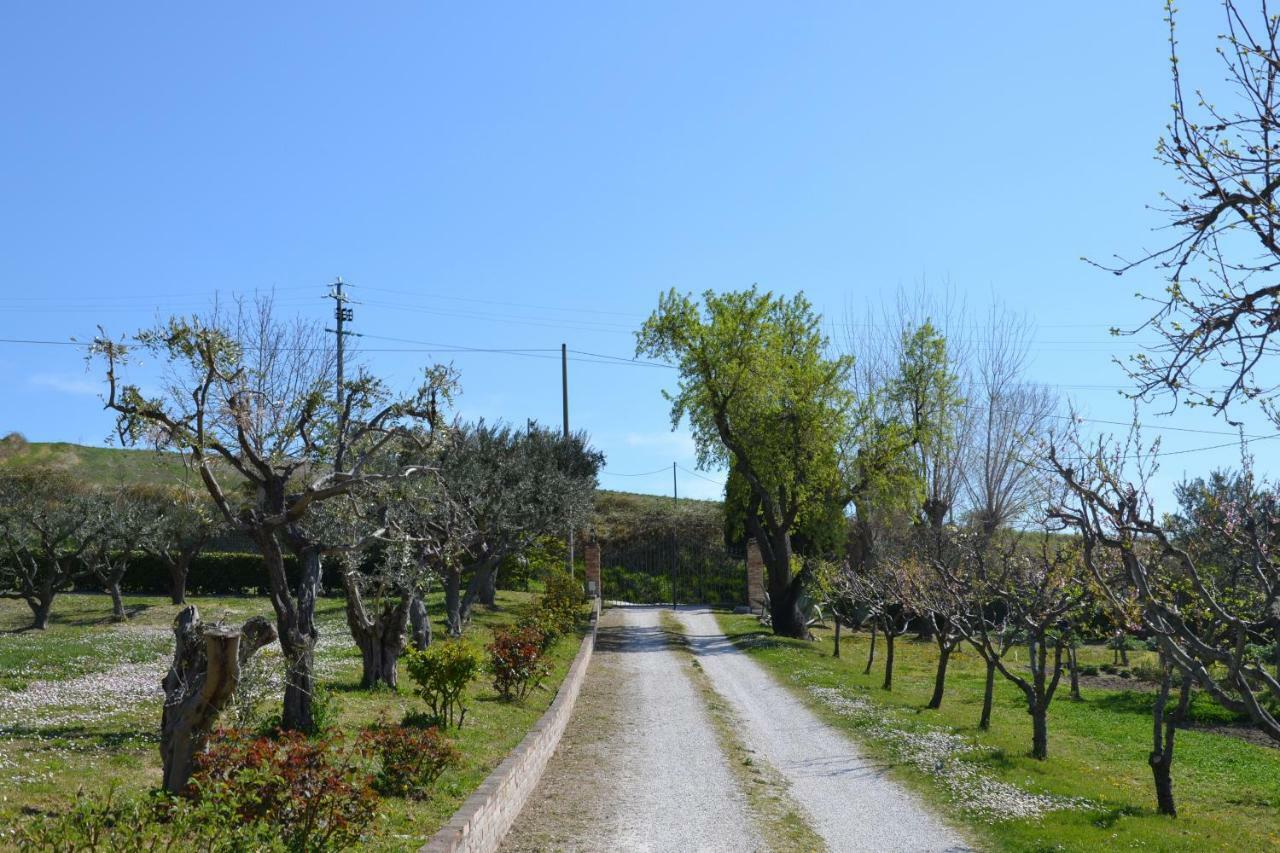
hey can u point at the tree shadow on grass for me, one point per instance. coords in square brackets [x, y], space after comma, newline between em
[84, 737]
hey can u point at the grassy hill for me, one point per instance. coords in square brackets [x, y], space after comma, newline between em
[617, 512]
[98, 465]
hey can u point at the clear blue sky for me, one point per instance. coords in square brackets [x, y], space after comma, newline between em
[518, 175]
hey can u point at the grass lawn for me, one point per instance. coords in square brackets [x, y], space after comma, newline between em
[80, 703]
[1228, 790]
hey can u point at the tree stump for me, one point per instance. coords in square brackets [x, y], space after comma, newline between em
[199, 684]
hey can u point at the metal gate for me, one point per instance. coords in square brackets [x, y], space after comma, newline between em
[666, 571]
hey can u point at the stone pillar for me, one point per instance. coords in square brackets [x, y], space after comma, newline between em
[755, 577]
[592, 556]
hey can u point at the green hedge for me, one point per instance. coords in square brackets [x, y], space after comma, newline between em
[212, 573]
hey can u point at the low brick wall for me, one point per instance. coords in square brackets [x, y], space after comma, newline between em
[482, 822]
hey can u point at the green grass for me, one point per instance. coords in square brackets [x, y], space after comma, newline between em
[1228, 790]
[44, 757]
[100, 465]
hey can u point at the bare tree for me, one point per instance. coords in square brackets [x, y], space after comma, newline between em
[122, 521]
[248, 399]
[1008, 417]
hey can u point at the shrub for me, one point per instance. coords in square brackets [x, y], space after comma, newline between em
[562, 600]
[1089, 670]
[156, 822]
[315, 793]
[442, 672]
[410, 759]
[515, 659]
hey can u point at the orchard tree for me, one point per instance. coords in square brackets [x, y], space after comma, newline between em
[184, 522]
[122, 520]
[250, 401]
[766, 401]
[46, 528]
[513, 486]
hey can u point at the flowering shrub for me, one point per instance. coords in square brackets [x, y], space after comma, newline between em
[410, 759]
[562, 600]
[314, 792]
[515, 659]
[442, 672]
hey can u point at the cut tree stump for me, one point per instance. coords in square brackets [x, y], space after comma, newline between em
[199, 684]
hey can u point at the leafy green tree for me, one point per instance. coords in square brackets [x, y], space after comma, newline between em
[764, 399]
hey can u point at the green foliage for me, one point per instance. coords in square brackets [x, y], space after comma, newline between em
[409, 759]
[116, 824]
[515, 659]
[562, 599]
[761, 394]
[442, 672]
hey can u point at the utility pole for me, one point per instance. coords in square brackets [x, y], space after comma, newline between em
[341, 315]
[564, 398]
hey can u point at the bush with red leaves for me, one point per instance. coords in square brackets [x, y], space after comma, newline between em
[515, 659]
[410, 759]
[316, 792]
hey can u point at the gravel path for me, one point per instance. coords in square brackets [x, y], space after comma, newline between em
[852, 803]
[639, 768]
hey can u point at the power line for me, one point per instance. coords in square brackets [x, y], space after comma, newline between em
[664, 469]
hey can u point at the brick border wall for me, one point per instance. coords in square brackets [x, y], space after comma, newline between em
[484, 818]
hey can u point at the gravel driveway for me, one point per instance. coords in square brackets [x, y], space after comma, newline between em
[852, 803]
[639, 767]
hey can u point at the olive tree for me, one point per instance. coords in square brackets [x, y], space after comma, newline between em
[513, 486]
[250, 401]
[122, 520]
[46, 528]
[184, 523]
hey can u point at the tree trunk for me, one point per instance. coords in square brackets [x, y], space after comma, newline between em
[488, 595]
[835, 652]
[299, 644]
[888, 660]
[1075, 672]
[871, 653]
[378, 655]
[1164, 729]
[118, 613]
[482, 572]
[379, 636]
[940, 677]
[453, 602]
[200, 682]
[988, 694]
[784, 608]
[419, 623]
[179, 569]
[1039, 732]
[40, 606]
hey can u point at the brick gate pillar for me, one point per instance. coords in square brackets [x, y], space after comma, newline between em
[755, 577]
[592, 557]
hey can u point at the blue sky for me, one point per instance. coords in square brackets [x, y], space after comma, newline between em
[521, 175]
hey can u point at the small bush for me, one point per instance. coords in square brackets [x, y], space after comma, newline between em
[515, 659]
[325, 709]
[410, 759]
[156, 822]
[1089, 670]
[315, 793]
[442, 672]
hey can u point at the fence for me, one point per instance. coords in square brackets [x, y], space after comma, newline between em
[667, 571]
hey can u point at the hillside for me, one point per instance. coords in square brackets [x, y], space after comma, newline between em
[616, 512]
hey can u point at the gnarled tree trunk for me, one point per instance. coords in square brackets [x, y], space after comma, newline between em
[988, 695]
[419, 623]
[202, 679]
[380, 635]
[298, 639]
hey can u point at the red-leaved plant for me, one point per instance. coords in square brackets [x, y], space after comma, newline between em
[410, 759]
[515, 659]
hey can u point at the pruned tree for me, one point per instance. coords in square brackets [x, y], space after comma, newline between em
[765, 400]
[249, 400]
[887, 589]
[1036, 584]
[122, 521]
[199, 684]
[513, 486]
[184, 522]
[46, 529]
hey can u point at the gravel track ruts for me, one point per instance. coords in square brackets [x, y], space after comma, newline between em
[639, 767]
[850, 799]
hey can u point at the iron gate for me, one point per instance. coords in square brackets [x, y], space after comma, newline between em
[666, 571]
